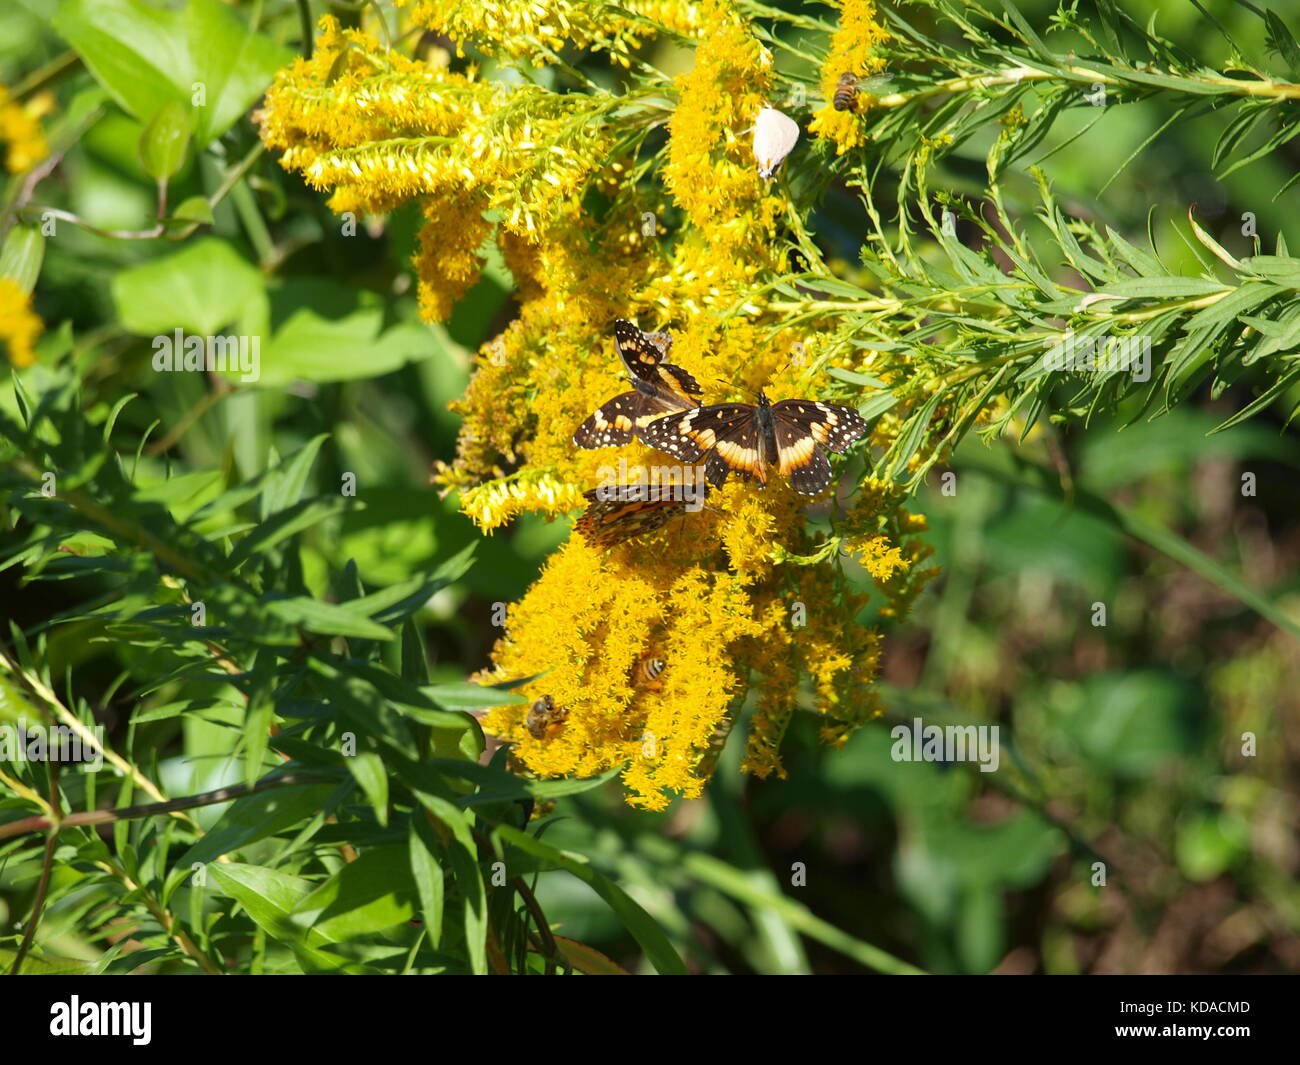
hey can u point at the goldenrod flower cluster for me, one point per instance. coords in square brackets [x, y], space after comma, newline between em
[744, 596]
[20, 130]
[853, 50]
[537, 31]
[20, 327]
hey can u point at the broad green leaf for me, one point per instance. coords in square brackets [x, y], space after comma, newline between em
[367, 895]
[269, 897]
[312, 347]
[22, 255]
[203, 288]
[231, 66]
[135, 50]
[1132, 723]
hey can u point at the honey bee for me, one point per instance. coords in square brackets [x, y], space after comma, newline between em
[648, 670]
[545, 719]
[846, 92]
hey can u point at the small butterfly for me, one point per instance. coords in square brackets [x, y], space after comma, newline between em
[659, 388]
[775, 135]
[745, 439]
[623, 511]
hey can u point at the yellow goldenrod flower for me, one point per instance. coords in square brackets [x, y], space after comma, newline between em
[20, 327]
[531, 29]
[852, 51]
[20, 130]
[743, 595]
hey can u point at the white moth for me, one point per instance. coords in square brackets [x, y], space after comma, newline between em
[775, 135]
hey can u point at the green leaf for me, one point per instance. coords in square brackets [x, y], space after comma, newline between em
[133, 49]
[368, 895]
[1280, 269]
[1164, 288]
[312, 347]
[195, 209]
[462, 695]
[22, 255]
[202, 288]
[285, 524]
[286, 481]
[367, 768]
[463, 856]
[913, 433]
[232, 67]
[1132, 723]
[428, 877]
[877, 405]
[269, 897]
[327, 619]
[45, 966]
[853, 378]
[1206, 846]
[1283, 42]
[165, 140]
[257, 725]
[640, 924]
[255, 817]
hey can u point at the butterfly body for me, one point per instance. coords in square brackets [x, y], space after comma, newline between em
[749, 439]
[658, 388]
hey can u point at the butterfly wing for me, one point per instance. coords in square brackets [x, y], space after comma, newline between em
[739, 450]
[801, 427]
[659, 388]
[639, 353]
[692, 434]
[621, 512]
[644, 355]
[613, 423]
[775, 135]
[682, 382]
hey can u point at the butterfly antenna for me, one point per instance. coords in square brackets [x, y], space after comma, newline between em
[732, 384]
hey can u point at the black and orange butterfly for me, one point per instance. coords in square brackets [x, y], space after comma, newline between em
[619, 512]
[658, 388]
[745, 439]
